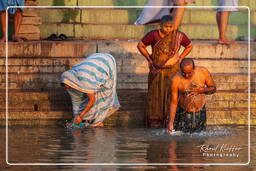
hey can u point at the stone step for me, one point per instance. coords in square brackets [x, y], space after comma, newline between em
[250, 3]
[31, 21]
[30, 36]
[129, 16]
[133, 118]
[30, 12]
[47, 81]
[130, 66]
[119, 49]
[136, 32]
[29, 28]
[31, 3]
[201, 49]
[91, 3]
[129, 100]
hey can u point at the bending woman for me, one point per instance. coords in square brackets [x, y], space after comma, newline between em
[91, 85]
[163, 65]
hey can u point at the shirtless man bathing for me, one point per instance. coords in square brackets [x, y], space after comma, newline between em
[187, 107]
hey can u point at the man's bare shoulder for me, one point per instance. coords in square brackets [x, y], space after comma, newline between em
[176, 78]
[201, 69]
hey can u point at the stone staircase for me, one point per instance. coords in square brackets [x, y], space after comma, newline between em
[30, 23]
[117, 23]
[34, 70]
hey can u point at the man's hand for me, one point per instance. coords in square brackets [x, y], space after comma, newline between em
[194, 91]
[153, 68]
[78, 119]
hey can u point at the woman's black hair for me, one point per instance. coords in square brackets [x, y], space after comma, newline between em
[166, 18]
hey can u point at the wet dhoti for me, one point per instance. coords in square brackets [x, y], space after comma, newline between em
[190, 121]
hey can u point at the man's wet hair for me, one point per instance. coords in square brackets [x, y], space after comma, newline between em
[166, 18]
[187, 61]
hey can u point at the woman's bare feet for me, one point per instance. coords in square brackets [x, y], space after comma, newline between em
[17, 39]
[97, 125]
[226, 42]
[3, 40]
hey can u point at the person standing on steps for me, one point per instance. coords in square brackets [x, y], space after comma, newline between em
[163, 65]
[222, 17]
[151, 15]
[17, 12]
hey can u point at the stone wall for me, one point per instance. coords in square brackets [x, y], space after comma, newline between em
[98, 23]
[34, 70]
[30, 23]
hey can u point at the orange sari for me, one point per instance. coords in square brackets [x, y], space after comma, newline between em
[165, 55]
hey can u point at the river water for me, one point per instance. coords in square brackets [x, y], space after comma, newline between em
[139, 148]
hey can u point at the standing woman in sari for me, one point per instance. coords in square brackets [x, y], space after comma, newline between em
[91, 85]
[163, 65]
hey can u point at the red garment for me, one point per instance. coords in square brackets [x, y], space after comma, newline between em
[152, 37]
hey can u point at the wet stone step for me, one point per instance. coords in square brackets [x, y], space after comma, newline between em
[133, 118]
[119, 49]
[251, 4]
[136, 32]
[48, 81]
[136, 66]
[129, 99]
[129, 16]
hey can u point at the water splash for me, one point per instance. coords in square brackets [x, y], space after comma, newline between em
[70, 125]
[202, 134]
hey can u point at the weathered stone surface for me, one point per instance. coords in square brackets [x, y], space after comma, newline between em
[30, 36]
[59, 15]
[31, 20]
[30, 12]
[36, 81]
[122, 49]
[47, 49]
[41, 59]
[230, 117]
[135, 118]
[136, 32]
[100, 31]
[129, 99]
[136, 66]
[31, 3]
[129, 16]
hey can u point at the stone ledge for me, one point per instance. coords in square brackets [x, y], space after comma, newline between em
[129, 16]
[130, 100]
[129, 66]
[48, 81]
[118, 48]
[134, 118]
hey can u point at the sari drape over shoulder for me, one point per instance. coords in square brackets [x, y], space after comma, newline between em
[96, 74]
[165, 54]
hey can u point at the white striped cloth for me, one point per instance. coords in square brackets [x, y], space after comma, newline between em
[96, 74]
